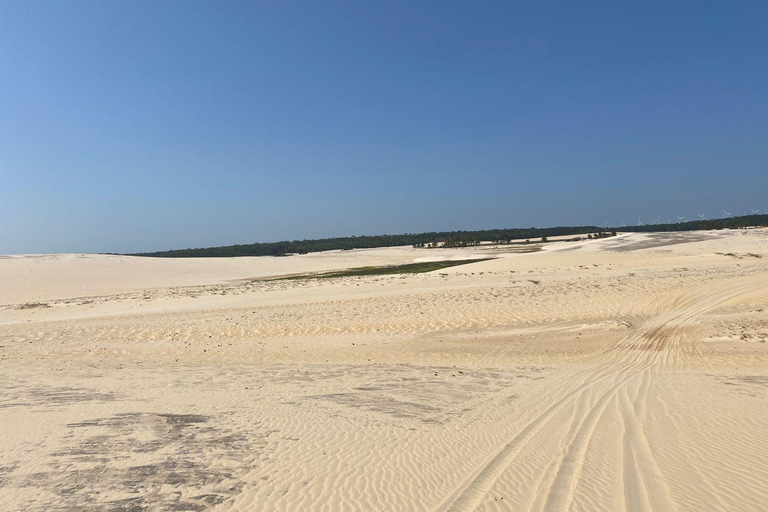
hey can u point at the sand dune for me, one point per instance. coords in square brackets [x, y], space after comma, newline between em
[625, 374]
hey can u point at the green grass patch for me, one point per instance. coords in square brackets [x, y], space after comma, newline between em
[518, 247]
[408, 268]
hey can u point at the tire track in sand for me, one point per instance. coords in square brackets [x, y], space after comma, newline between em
[632, 359]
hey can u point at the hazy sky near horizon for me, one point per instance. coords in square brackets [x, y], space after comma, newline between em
[133, 125]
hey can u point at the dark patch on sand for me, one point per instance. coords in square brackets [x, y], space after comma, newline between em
[386, 405]
[4, 472]
[654, 240]
[46, 396]
[164, 462]
[753, 380]
[433, 395]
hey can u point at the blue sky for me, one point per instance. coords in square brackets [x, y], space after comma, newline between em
[135, 126]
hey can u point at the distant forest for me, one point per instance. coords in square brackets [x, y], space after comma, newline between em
[449, 238]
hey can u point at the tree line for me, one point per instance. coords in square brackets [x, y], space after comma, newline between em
[440, 239]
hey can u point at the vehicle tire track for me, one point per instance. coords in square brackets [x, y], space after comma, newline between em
[633, 357]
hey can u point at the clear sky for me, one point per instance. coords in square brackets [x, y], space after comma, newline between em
[139, 125]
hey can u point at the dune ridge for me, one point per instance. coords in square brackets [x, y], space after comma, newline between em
[626, 374]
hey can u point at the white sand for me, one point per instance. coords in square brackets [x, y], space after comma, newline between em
[619, 374]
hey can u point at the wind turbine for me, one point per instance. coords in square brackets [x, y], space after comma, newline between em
[755, 212]
[622, 223]
[727, 214]
[679, 218]
[639, 222]
[703, 216]
[658, 220]
[669, 221]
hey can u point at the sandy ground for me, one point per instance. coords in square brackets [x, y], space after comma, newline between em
[621, 374]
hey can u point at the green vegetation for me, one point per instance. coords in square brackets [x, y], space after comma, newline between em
[521, 248]
[425, 240]
[744, 221]
[443, 238]
[408, 268]
[602, 234]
